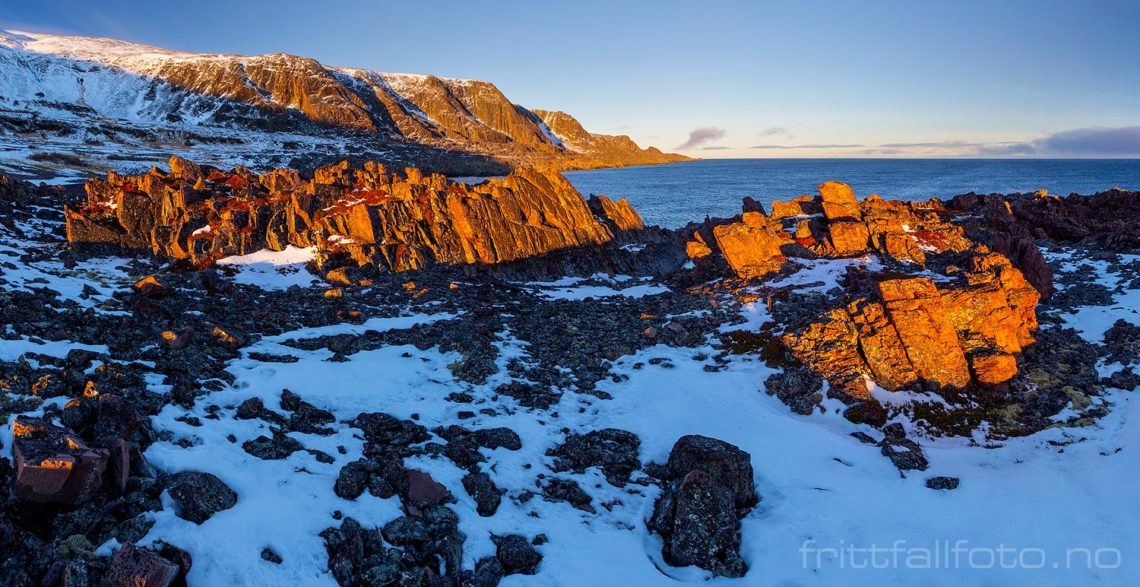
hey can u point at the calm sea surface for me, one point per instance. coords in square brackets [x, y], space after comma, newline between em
[671, 195]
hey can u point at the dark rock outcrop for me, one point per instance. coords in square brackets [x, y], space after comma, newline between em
[708, 487]
[612, 450]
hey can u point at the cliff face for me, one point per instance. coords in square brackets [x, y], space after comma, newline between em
[82, 83]
[620, 149]
[365, 216]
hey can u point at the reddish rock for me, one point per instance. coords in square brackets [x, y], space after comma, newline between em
[901, 246]
[883, 350]
[803, 205]
[367, 216]
[53, 466]
[838, 201]
[830, 345]
[150, 287]
[751, 251]
[134, 567]
[620, 213]
[119, 464]
[931, 342]
[695, 249]
[993, 369]
[848, 238]
[423, 491]
[909, 330]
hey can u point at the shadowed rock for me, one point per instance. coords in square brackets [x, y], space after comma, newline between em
[198, 496]
[709, 486]
[53, 466]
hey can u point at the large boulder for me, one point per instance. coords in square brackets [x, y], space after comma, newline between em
[726, 463]
[838, 201]
[751, 251]
[708, 488]
[915, 308]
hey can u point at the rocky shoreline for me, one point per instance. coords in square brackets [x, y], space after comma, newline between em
[134, 391]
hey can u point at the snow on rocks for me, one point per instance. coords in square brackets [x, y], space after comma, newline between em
[274, 269]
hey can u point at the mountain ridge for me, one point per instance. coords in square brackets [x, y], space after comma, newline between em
[95, 90]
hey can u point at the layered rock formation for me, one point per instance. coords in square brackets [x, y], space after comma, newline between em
[950, 313]
[366, 216]
[834, 225]
[77, 85]
[907, 332]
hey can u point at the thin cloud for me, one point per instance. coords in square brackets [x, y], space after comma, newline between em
[775, 131]
[701, 136]
[811, 146]
[932, 145]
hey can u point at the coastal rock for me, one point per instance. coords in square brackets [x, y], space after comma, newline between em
[905, 330]
[751, 251]
[368, 217]
[833, 224]
[838, 201]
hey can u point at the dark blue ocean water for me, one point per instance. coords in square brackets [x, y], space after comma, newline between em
[671, 195]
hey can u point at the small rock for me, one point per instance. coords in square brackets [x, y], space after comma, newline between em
[946, 483]
[269, 555]
[423, 491]
[198, 496]
[483, 490]
[516, 554]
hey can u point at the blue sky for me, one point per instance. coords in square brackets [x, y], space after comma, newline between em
[739, 79]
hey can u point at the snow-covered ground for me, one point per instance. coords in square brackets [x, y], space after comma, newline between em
[1054, 508]
[1093, 321]
[596, 286]
[1051, 509]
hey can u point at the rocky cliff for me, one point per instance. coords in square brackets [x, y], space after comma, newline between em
[84, 94]
[368, 217]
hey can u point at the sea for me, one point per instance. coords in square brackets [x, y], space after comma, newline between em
[673, 195]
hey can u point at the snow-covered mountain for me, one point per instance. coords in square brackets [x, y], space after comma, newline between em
[70, 101]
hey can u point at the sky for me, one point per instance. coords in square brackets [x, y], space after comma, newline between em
[873, 78]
